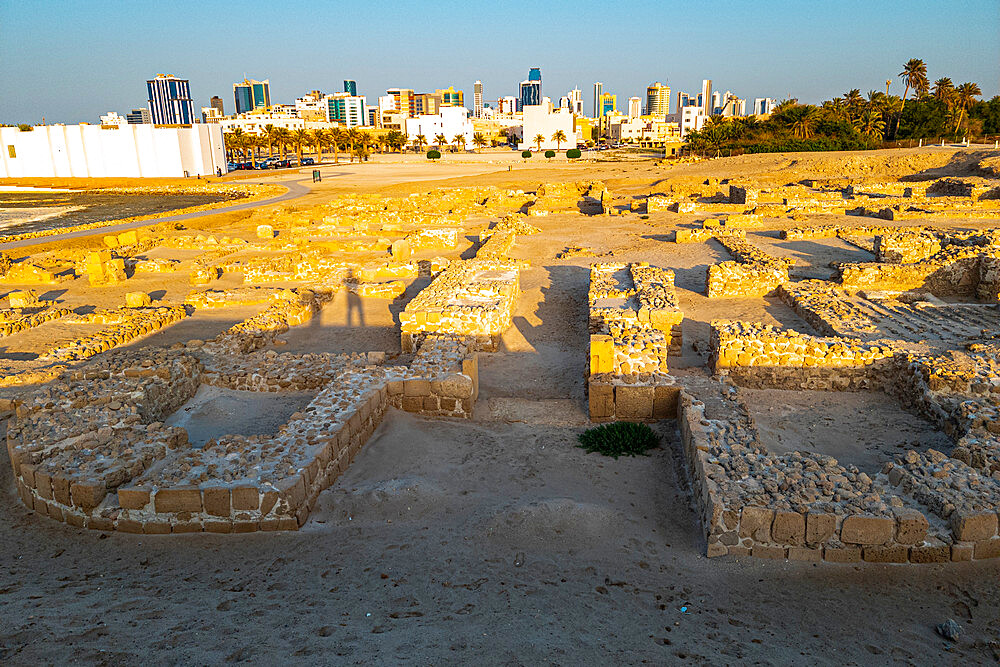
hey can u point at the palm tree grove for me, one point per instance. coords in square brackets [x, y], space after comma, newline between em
[942, 111]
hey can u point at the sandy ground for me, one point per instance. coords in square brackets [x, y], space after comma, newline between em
[497, 541]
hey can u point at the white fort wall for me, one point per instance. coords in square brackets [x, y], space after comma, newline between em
[122, 151]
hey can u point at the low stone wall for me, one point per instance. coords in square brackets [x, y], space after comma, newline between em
[101, 458]
[635, 324]
[754, 273]
[760, 355]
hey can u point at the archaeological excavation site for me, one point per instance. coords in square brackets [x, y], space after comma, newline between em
[818, 344]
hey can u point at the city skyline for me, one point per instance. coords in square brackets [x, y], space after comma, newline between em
[62, 78]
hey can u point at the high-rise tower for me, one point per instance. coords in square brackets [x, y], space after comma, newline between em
[170, 100]
[477, 100]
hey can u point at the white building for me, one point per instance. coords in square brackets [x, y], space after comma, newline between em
[575, 101]
[541, 119]
[507, 105]
[705, 98]
[112, 118]
[477, 99]
[95, 151]
[211, 115]
[449, 121]
[634, 107]
[688, 118]
[763, 106]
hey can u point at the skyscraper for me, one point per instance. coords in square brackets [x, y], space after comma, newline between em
[170, 100]
[609, 104]
[251, 94]
[706, 97]
[683, 100]
[598, 91]
[657, 99]
[477, 100]
[531, 89]
[634, 107]
[351, 87]
[216, 103]
[575, 101]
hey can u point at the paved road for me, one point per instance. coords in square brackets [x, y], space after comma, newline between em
[296, 188]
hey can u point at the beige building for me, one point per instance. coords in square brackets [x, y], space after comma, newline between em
[657, 99]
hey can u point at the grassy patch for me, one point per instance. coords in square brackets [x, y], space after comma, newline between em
[619, 439]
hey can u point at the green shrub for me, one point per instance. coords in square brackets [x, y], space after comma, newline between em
[573, 153]
[433, 155]
[550, 154]
[525, 154]
[24, 127]
[619, 439]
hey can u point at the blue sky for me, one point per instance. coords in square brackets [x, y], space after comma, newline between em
[70, 61]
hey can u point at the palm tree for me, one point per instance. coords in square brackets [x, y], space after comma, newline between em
[944, 90]
[353, 138]
[318, 139]
[802, 119]
[852, 98]
[923, 86]
[558, 136]
[479, 140]
[233, 141]
[539, 138]
[283, 137]
[965, 96]
[913, 70]
[420, 140]
[336, 138]
[269, 138]
[300, 138]
[459, 141]
[870, 123]
[441, 140]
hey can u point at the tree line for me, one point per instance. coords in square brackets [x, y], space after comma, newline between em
[354, 142]
[857, 122]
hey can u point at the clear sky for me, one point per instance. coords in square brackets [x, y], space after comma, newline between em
[70, 61]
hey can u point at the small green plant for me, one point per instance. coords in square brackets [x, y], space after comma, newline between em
[433, 155]
[550, 154]
[573, 153]
[24, 127]
[525, 154]
[619, 439]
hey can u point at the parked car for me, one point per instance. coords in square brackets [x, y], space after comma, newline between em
[308, 160]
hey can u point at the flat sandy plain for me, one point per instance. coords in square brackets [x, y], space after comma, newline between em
[497, 541]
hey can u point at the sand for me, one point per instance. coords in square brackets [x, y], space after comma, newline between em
[497, 541]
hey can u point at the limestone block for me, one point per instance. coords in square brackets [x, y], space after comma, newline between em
[400, 250]
[128, 238]
[265, 232]
[970, 527]
[894, 553]
[987, 549]
[634, 402]
[25, 299]
[842, 554]
[180, 499]
[601, 398]
[137, 299]
[911, 526]
[788, 528]
[768, 551]
[133, 498]
[867, 530]
[217, 501]
[602, 354]
[665, 401]
[755, 522]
